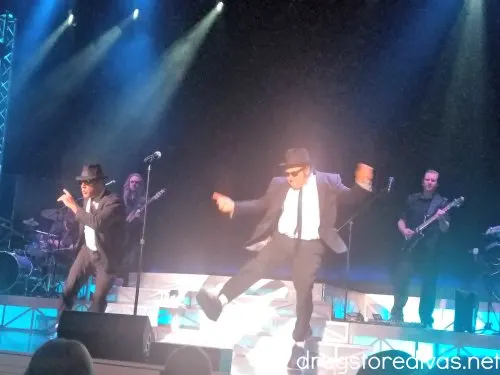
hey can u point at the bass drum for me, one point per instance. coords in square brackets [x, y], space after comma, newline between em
[13, 268]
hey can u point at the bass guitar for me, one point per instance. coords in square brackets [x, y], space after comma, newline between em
[411, 242]
[138, 212]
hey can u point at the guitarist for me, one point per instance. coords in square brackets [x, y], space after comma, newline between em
[424, 256]
[134, 198]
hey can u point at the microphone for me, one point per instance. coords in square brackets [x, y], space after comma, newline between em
[153, 156]
[389, 184]
[475, 252]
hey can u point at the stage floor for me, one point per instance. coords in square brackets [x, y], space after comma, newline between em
[255, 329]
[273, 352]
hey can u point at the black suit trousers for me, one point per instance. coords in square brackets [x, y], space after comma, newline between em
[305, 257]
[88, 263]
[422, 260]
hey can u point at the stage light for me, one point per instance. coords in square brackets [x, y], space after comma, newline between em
[70, 18]
[135, 14]
[220, 5]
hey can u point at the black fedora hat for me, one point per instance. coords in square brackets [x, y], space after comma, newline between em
[295, 157]
[91, 172]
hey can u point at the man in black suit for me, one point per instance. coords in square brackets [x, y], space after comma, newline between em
[299, 213]
[101, 237]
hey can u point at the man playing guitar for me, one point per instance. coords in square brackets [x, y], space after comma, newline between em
[134, 198]
[423, 256]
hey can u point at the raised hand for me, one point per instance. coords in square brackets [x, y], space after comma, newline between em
[364, 176]
[68, 200]
[224, 203]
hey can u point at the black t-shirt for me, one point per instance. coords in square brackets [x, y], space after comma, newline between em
[416, 211]
[134, 228]
[134, 204]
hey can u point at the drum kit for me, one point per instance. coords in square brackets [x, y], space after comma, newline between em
[40, 263]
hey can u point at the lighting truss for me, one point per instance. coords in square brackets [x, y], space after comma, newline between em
[7, 37]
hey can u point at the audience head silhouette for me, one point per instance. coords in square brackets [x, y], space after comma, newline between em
[61, 357]
[188, 360]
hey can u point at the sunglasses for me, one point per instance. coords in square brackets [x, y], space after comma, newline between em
[87, 182]
[294, 173]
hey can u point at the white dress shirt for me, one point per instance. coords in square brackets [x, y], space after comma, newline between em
[287, 224]
[89, 232]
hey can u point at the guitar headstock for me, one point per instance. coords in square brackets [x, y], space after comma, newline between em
[457, 202]
[159, 194]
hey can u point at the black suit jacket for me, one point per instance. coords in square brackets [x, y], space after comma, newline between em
[331, 191]
[108, 221]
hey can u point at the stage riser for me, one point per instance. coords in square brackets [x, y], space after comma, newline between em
[150, 311]
[35, 319]
[152, 297]
[41, 314]
[187, 283]
[252, 310]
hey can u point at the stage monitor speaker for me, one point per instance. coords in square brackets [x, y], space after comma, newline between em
[117, 337]
[466, 308]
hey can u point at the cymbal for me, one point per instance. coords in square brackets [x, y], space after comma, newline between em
[31, 222]
[56, 214]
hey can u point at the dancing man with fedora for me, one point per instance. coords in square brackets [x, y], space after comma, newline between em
[100, 241]
[298, 218]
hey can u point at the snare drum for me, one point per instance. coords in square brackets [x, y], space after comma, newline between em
[13, 268]
[39, 247]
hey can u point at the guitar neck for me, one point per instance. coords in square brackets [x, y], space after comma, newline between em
[145, 204]
[428, 222]
[152, 199]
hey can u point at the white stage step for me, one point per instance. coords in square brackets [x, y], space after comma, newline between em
[148, 296]
[248, 313]
[152, 312]
[191, 283]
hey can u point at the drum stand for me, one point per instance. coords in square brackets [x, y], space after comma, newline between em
[46, 280]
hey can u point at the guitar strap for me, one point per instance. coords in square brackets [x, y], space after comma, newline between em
[435, 203]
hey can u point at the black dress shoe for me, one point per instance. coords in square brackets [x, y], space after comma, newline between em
[302, 359]
[298, 359]
[210, 305]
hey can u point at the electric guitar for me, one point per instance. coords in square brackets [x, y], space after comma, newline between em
[137, 212]
[411, 242]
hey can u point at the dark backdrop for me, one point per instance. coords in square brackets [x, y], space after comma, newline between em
[404, 86]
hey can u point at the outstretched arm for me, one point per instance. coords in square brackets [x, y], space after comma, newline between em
[112, 211]
[361, 188]
[247, 207]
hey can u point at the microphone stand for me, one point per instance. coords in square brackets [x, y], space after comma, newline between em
[350, 222]
[139, 270]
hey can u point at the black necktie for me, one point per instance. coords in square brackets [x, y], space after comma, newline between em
[298, 230]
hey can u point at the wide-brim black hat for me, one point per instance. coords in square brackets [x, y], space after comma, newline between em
[296, 157]
[91, 172]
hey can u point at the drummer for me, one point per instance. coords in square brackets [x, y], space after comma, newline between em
[64, 228]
